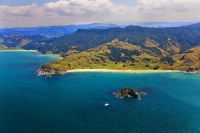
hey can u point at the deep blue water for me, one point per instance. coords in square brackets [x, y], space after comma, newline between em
[73, 103]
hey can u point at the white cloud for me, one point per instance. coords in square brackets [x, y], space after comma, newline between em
[82, 8]
[87, 11]
[71, 11]
[20, 11]
[64, 8]
[170, 5]
[67, 11]
[169, 10]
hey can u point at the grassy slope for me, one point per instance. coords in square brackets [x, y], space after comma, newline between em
[188, 37]
[190, 58]
[103, 57]
[2, 46]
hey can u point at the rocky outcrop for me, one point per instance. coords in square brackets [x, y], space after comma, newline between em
[128, 92]
[193, 70]
[47, 70]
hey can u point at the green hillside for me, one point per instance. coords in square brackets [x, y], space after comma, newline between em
[122, 55]
[183, 37]
[132, 47]
[36, 42]
[175, 39]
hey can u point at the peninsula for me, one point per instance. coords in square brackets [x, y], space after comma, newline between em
[120, 56]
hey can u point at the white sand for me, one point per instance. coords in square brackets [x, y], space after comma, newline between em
[122, 71]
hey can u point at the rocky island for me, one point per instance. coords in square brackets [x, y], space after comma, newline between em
[128, 92]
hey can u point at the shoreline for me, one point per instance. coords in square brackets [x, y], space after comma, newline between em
[24, 50]
[122, 71]
[18, 50]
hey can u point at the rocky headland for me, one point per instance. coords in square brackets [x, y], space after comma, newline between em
[46, 70]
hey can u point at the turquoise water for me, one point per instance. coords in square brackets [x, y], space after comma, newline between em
[73, 103]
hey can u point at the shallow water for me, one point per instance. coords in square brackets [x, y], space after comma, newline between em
[73, 103]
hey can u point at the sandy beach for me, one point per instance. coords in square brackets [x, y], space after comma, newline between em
[122, 71]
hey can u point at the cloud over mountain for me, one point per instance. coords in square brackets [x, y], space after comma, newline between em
[63, 8]
[170, 5]
[82, 7]
[87, 11]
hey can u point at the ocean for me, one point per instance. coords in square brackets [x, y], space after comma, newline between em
[74, 102]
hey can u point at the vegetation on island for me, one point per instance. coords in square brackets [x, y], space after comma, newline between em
[128, 92]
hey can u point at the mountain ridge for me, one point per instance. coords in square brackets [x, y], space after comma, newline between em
[53, 30]
[186, 37]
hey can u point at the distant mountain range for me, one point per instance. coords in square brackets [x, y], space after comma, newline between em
[186, 37]
[163, 24]
[69, 29]
[53, 30]
[96, 34]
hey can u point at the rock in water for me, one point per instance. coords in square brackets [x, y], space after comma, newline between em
[127, 92]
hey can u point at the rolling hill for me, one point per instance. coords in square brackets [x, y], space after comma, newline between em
[122, 55]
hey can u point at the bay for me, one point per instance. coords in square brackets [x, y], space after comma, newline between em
[73, 103]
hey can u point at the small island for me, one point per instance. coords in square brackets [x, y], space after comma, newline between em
[128, 92]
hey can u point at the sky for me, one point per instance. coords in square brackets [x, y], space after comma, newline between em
[31, 13]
